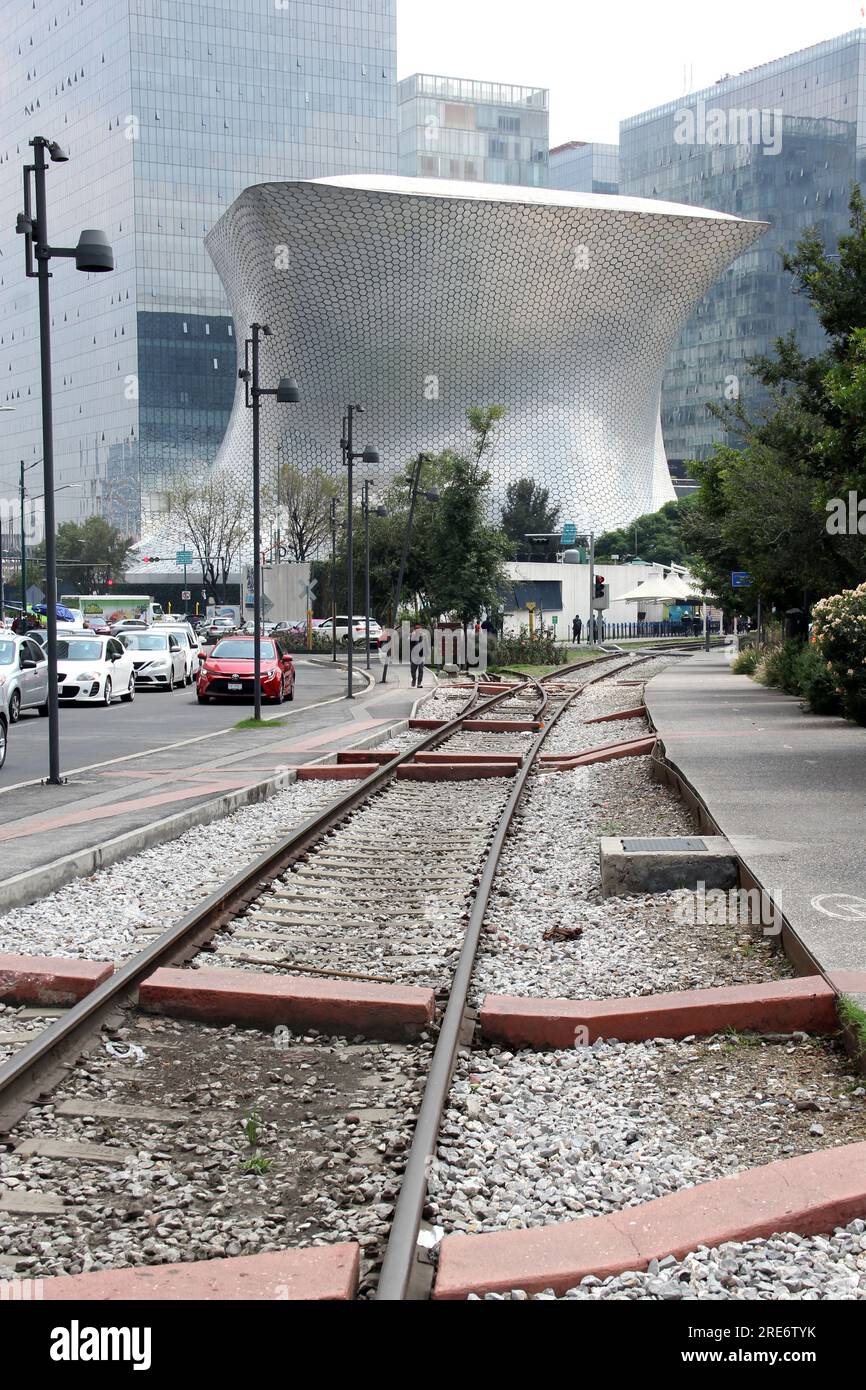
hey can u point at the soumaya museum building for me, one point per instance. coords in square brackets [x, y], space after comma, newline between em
[419, 298]
[167, 110]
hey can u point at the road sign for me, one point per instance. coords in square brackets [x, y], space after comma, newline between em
[185, 595]
[740, 579]
[554, 620]
[183, 557]
[569, 533]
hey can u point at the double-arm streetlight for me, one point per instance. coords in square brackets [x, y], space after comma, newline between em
[367, 455]
[286, 393]
[92, 253]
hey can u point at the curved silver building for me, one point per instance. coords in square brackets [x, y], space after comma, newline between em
[421, 298]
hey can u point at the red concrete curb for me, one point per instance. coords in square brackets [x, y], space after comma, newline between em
[453, 772]
[49, 979]
[349, 757]
[315, 1273]
[427, 723]
[264, 1001]
[806, 1004]
[808, 1195]
[639, 712]
[516, 758]
[605, 753]
[332, 772]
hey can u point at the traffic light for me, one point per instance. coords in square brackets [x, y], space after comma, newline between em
[599, 586]
[150, 559]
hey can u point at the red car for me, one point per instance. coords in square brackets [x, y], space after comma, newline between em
[228, 672]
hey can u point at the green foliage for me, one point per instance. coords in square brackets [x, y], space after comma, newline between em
[744, 662]
[88, 555]
[763, 507]
[778, 667]
[523, 650]
[657, 537]
[817, 683]
[527, 510]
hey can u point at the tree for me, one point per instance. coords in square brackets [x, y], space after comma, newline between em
[763, 507]
[300, 509]
[468, 557]
[216, 515]
[527, 510]
[88, 555]
[657, 537]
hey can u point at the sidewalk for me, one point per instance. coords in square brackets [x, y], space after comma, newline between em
[124, 804]
[787, 789]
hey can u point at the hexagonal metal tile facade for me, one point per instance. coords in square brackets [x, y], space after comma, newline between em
[421, 298]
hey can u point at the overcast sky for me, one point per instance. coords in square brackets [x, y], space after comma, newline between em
[605, 61]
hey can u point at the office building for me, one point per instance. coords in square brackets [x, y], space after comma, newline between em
[582, 166]
[483, 132]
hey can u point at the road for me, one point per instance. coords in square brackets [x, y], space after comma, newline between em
[92, 734]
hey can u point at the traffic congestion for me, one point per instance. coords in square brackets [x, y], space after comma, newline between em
[109, 654]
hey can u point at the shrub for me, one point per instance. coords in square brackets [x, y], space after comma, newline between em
[817, 683]
[778, 667]
[540, 650]
[745, 662]
[839, 631]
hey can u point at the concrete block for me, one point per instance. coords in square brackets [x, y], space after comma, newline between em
[659, 864]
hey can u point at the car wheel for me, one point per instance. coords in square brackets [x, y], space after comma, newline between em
[280, 695]
[14, 706]
[203, 699]
[43, 710]
[106, 696]
[291, 694]
[130, 694]
[2, 741]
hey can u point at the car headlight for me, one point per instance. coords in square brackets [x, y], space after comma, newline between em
[89, 676]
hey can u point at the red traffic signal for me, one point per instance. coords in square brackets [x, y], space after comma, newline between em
[598, 591]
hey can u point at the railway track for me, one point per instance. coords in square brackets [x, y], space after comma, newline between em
[386, 887]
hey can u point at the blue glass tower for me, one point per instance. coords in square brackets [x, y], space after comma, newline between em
[167, 111]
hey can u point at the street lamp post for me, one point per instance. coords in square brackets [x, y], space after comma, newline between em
[92, 253]
[333, 579]
[367, 455]
[286, 393]
[380, 511]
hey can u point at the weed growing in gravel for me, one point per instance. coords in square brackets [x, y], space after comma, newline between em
[853, 1017]
[733, 1038]
[254, 1162]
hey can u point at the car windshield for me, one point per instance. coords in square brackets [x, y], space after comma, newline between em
[145, 641]
[8, 652]
[230, 650]
[80, 650]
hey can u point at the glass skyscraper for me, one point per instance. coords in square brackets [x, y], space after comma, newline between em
[581, 166]
[167, 110]
[486, 132]
[781, 143]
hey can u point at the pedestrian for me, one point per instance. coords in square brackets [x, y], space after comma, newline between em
[576, 628]
[416, 655]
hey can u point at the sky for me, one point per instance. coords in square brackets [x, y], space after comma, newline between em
[603, 62]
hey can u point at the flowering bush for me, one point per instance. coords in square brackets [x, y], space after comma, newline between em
[538, 650]
[839, 633]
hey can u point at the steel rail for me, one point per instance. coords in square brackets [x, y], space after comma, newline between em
[401, 1250]
[38, 1066]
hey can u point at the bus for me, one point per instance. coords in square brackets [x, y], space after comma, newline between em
[101, 610]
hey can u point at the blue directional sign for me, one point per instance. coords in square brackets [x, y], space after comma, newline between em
[569, 533]
[741, 579]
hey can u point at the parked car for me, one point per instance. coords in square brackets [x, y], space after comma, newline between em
[157, 658]
[359, 637]
[93, 669]
[215, 628]
[189, 642]
[23, 675]
[228, 672]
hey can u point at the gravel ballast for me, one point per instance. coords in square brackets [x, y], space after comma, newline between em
[532, 1138]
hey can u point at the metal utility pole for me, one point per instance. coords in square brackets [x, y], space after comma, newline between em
[367, 455]
[286, 393]
[590, 635]
[334, 577]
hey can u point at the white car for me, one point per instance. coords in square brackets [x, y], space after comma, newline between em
[359, 631]
[188, 641]
[93, 670]
[157, 657]
[23, 675]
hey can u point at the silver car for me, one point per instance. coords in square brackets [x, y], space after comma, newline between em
[23, 675]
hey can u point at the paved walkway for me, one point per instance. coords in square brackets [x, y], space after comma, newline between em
[788, 790]
[41, 824]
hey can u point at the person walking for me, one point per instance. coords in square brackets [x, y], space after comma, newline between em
[576, 628]
[416, 655]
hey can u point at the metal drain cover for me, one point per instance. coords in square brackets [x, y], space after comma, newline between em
[678, 843]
